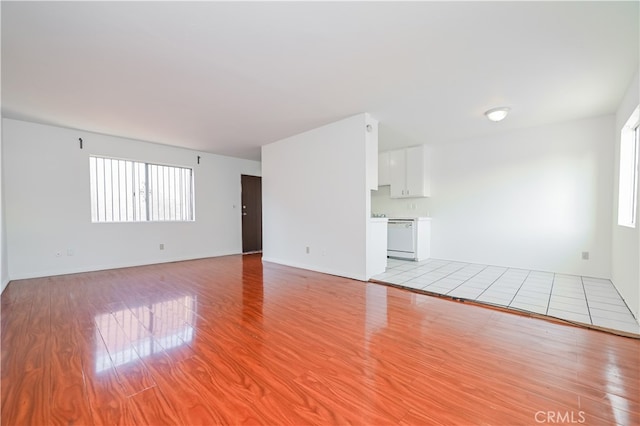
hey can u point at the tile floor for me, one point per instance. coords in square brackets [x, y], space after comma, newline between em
[585, 300]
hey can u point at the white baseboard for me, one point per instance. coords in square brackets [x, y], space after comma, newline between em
[116, 265]
[314, 268]
[4, 284]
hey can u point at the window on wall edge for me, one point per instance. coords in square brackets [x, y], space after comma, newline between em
[132, 191]
[628, 183]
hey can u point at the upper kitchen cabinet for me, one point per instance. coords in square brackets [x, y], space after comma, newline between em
[409, 172]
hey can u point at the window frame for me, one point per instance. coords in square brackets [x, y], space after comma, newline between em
[143, 211]
[628, 171]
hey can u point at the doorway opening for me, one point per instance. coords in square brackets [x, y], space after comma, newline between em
[251, 188]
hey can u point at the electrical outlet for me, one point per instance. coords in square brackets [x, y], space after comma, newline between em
[161, 246]
[585, 255]
[69, 252]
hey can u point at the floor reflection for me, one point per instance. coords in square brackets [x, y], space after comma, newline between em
[376, 309]
[128, 334]
[252, 291]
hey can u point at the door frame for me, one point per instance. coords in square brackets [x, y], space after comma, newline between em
[247, 184]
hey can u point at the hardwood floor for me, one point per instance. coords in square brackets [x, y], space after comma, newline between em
[231, 341]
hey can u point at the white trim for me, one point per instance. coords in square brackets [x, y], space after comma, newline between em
[110, 266]
[313, 268]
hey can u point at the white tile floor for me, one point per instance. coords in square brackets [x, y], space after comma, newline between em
[585, 300]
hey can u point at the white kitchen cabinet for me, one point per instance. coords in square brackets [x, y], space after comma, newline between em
[423, 238]
[384, 177]
[409, 172]
[376, 246]
[397, 173]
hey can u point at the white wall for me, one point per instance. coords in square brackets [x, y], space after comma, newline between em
[534, 198]
[315, 195]
[625, 251]
[382, 203]
[4, 274]
[48, 209]
[4, 268]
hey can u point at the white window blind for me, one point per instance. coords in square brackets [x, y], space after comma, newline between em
[131, 191]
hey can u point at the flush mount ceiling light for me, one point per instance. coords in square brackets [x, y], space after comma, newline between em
[497, 114]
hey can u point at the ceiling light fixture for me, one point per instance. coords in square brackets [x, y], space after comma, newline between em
[497, 114]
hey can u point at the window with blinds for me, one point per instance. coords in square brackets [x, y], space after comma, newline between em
[131, 191]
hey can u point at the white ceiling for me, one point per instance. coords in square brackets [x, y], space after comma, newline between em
[229, 77]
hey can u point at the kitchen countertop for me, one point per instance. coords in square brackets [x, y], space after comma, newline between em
[379, 219]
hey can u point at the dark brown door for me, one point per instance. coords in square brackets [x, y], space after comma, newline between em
[251, 213]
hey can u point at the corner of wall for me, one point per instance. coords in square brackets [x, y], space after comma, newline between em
[625, 244]
[4, 275]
